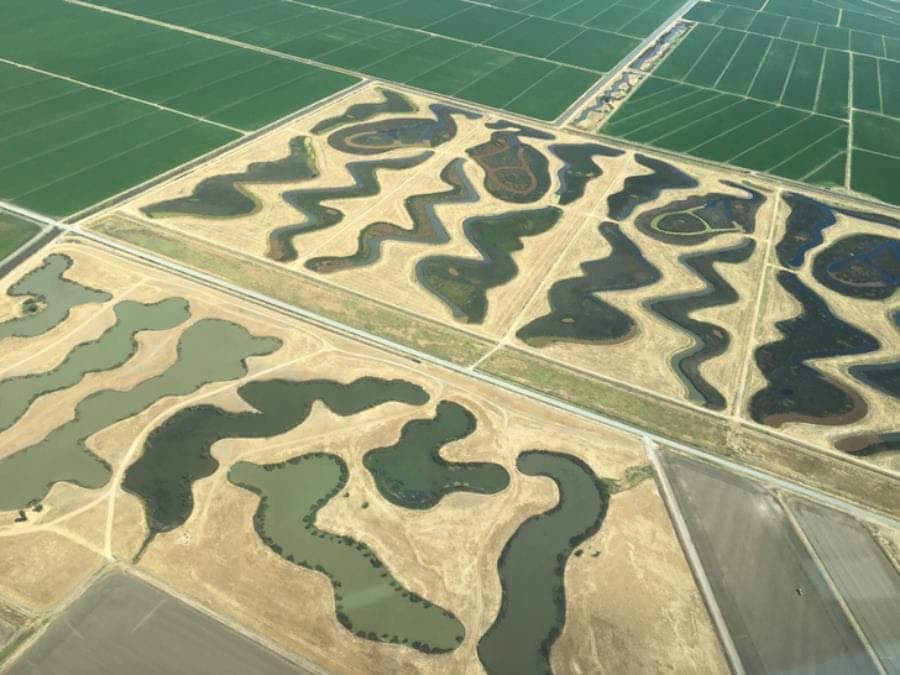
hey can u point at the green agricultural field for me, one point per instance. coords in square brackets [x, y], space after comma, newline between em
[534, 58]
[92, 103]
[804, 89]
[14, 232]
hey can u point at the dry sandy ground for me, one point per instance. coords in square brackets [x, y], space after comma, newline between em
[634, 607]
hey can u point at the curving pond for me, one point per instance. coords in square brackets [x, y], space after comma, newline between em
[427, 226]
[462, 283]
[646, 187]
[50, 298]
[318, 217]
[579, 167]
[223, 196]
[179, 452]
[391, 102]
[797, 392]
[709, 340]
[368, 600]
[577, 314]
[396, 133]
[513, 170]
[864, 266]
[412, 474]
[698, 218]
[210, 350]
[112, 349]
[533, 563]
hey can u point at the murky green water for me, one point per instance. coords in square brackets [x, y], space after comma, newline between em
[110, 350]
[57, 295]
[533, 562]
[412, 473]
[210, 350]
[368, 600]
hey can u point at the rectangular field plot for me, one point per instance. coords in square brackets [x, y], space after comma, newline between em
[123, 624]
[94, 103]
[771, 86]
[779, 610]
[68, 146]
[530, 60]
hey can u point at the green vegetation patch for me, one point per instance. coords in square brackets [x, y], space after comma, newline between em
[14, 232]
[412, 474]
[334, 303]
[368, 600]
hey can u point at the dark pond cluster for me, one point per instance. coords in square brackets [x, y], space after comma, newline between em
[797, 391]
[698, 218]
[427, 226]
[578, 167]
[644, 188]
[391, 102]
[222, 197]
[395, 133]
[462, 283]
[318, 217]
[577, 314]
[514, 171]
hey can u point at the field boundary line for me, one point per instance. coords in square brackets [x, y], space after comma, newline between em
[734, 54]
[815, 105]
[768, 139]
[808, 147]
[787, 77]
[694, 560]
[759, 66]
[718, 111]
[345, 330]
[738, 402]
[676, 109]
[829, 581]
[113, 92]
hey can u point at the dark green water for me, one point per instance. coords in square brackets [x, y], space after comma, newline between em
[645, 187]
[391, 102]
[513, 170]
[368, 600]
[427, 226]
[796, 391]
[577, 313]
[579, 167]
[710, 340]
[210, 350]
[56, 295]
[116, 346]
[412, 472]
[222, 196]
[318, 217]
[179, 452]
[865, 266]
[533, 562]
[462, 283]
[698, 218]
[395, 133]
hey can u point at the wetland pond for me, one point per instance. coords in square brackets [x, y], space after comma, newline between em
[368, 600]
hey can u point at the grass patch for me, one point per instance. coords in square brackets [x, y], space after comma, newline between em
[334, 303]
[14, 232]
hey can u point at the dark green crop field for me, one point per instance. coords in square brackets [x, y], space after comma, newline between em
[534, 58]
[92, 103]
[804, 89]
